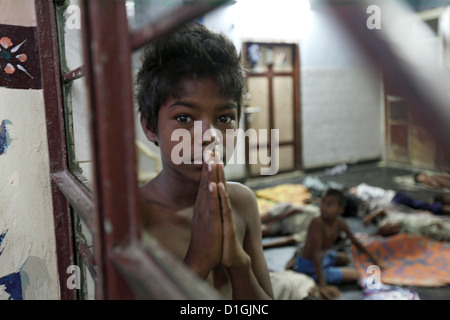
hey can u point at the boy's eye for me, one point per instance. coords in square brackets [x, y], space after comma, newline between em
[226, 119]
[183, 118]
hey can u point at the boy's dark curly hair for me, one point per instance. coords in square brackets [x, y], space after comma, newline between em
[342, 200]
[189, 53]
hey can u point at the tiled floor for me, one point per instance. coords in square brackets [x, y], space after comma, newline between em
[376, 174]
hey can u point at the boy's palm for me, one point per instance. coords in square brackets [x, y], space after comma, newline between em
[205, 247]
[213, 239]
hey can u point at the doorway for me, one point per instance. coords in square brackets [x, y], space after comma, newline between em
[272, 102]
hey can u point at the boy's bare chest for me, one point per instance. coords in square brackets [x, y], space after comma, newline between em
[331, 234]
[172, 230]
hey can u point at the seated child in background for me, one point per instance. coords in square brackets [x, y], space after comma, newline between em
[189, 79]
[289, 223]
[326, 266]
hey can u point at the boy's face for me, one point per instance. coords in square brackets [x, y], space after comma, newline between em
[196, 121]
[330, 208]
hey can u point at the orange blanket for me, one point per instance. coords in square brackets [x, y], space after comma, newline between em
[410, 259]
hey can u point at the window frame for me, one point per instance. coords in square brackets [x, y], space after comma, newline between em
[125, 267]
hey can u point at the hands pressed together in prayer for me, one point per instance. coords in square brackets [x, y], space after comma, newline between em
[214, 240]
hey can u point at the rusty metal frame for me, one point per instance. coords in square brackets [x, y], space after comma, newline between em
[127, 269]
[123, 268]
[171, 21]
[49, 59]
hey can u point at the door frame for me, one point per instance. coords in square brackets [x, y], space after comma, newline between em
[297, 120]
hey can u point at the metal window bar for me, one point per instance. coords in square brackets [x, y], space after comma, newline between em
[122, 259]
[122, 267]
[48, 46]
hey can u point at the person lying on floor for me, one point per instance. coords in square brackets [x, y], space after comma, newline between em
[317, 259]
[379, 198]
[400, 219]
[436, 181]
[288, 223]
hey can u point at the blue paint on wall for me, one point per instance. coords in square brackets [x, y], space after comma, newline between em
[13, 285]
[5, 140]
[13, 281]
[2, 237]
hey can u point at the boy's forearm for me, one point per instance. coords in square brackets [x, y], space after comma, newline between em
[244, 284]
[200, 271]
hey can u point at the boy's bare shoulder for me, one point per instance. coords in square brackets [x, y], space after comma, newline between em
[238, 191]
[241, 196]
[342, 222]
[316, 222]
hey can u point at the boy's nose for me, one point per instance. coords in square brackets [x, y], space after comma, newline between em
[210, 135]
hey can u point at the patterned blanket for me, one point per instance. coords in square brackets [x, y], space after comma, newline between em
[296, 194]
[410, 259]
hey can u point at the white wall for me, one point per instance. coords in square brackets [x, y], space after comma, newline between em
[341, 97]
[342, 102]
[26, 213]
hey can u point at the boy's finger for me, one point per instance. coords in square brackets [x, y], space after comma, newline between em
[217, 156]
[212, 172]
[204, 178]
[221, 175]
[225, 205]
[213, 198]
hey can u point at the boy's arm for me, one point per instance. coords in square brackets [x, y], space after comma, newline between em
[250, 280]
[314, 241]
[358, 244]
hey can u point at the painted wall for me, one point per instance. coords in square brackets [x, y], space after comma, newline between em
[27, 243]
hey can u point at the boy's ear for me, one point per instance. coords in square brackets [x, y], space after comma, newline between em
[149, 133]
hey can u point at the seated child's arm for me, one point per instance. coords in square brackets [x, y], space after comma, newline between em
[358, 244]
[314, 242]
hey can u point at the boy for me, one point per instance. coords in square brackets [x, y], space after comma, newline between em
[327, 266]
[193, 79]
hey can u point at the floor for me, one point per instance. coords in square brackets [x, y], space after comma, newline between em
[376, 174]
